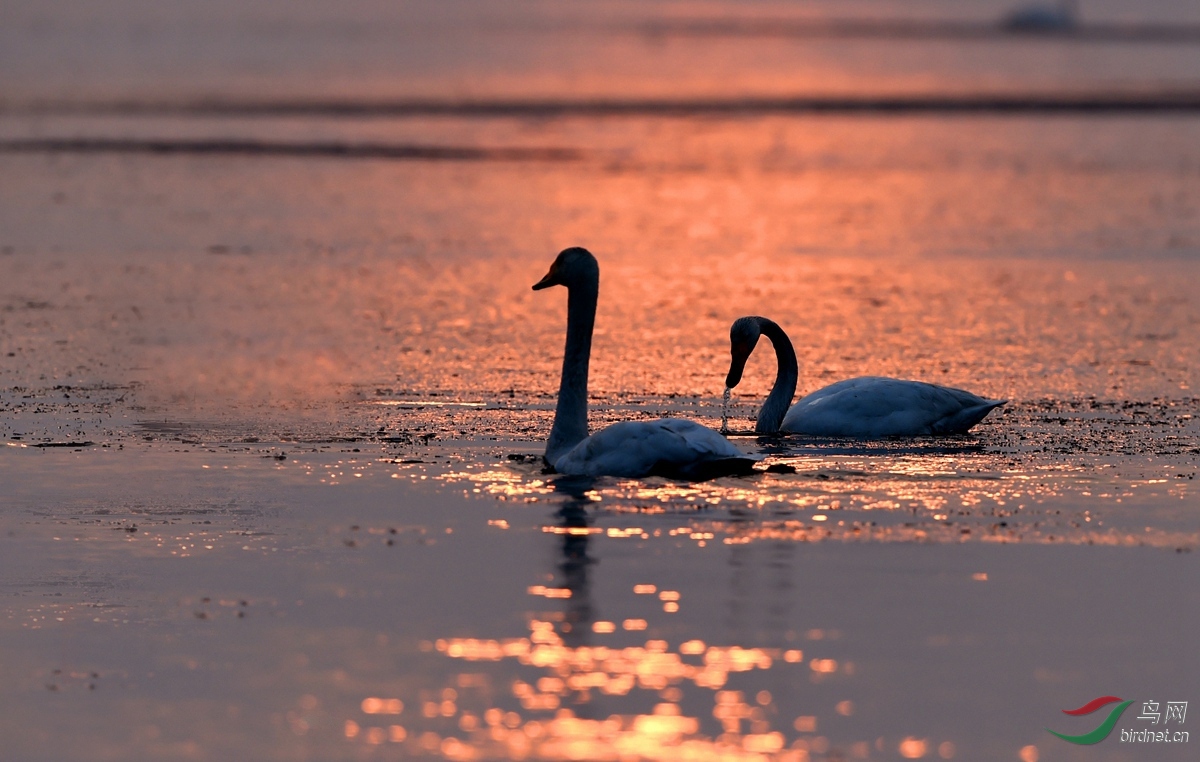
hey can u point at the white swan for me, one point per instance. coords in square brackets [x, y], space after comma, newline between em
[865, 408]
[666, 447]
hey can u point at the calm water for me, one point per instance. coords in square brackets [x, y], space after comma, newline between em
[271, 486]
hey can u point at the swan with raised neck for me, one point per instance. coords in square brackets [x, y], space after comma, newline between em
[578, 270]
[864, 407]
[667, 447]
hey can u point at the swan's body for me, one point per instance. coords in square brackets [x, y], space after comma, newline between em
[665, 447]
[871, 406]
[865, 408]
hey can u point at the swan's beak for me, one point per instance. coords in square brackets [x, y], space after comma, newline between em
[736, 366]
[549, 280]
[735, 375]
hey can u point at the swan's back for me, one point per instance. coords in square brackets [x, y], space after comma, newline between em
[872, 406]
[667, 446]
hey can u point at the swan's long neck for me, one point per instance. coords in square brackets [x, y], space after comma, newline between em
[570, 417]
[775, 408]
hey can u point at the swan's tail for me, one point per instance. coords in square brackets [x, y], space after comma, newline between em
[963, 420]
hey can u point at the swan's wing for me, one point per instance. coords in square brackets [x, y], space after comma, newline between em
[639, 448]
[963, 420]
[878, 407]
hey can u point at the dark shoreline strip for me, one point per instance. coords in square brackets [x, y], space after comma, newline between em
[261, 148]
[1015, 103]
[915, 29]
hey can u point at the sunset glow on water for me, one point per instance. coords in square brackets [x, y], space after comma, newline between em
[275, 389]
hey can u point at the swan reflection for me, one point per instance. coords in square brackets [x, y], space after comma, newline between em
[574, 563]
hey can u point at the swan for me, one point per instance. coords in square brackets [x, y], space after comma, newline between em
[1063, 16]
[865, 408]
[666, 447]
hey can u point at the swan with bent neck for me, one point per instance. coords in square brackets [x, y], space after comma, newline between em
[666, 447]
[865, 408]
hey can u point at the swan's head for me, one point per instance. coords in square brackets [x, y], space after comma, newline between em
[573, 267]
[743, 336]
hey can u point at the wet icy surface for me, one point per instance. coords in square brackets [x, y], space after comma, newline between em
[285, 498]
[334, 598]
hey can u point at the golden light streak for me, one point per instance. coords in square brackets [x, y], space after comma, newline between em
[913, 748]
[549, 727]
[549, 592]
[373, 705]
[825, 666]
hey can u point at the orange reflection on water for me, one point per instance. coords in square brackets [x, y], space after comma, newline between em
[549, 592]
[625, 532]
[373, 705]
[881, 496]
[557, 717]
[575, 671]
[574, 531]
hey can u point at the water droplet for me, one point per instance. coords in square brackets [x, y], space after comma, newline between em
[725, 411]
